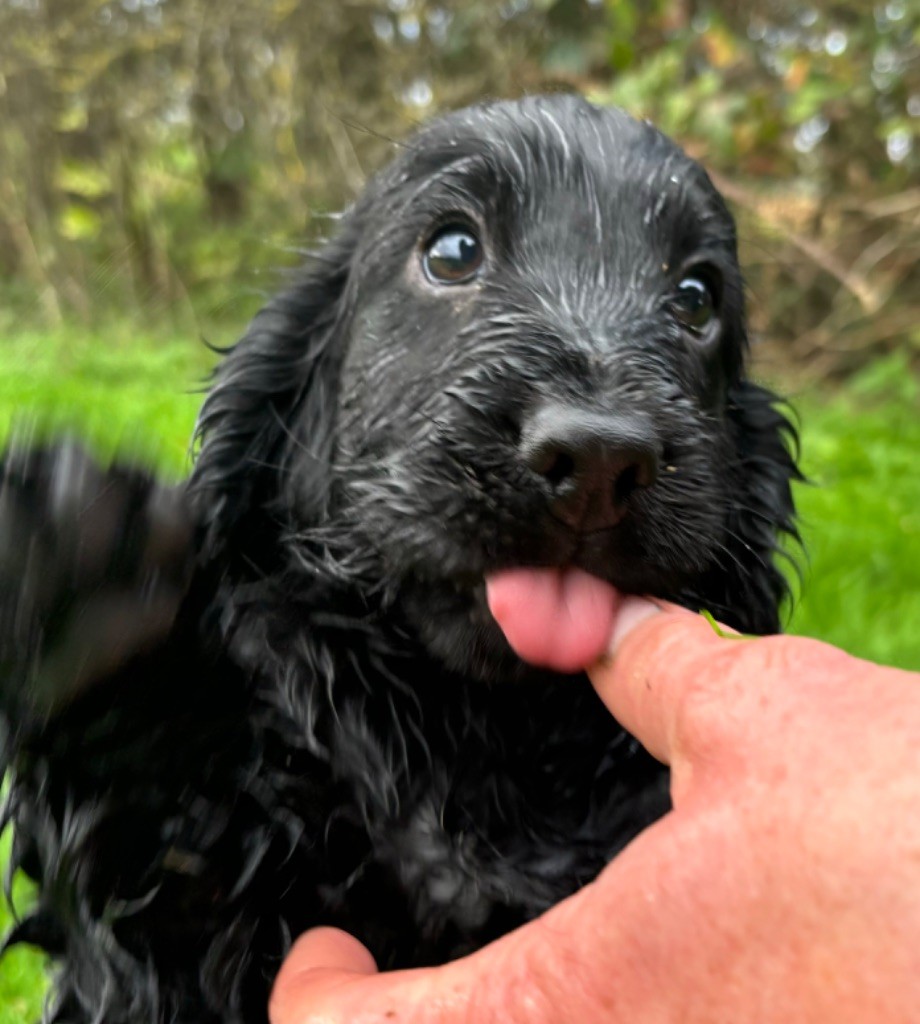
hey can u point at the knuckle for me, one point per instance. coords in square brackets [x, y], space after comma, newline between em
[746, 684]
[711, 714]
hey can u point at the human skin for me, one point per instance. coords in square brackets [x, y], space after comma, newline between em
[783, 887]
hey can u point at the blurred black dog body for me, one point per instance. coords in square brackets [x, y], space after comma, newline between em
[275, 697]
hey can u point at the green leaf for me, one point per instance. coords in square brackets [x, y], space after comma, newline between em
[82, 179]
[79, 223]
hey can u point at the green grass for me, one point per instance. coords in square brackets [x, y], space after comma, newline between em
[860, 511]
[21, 970]
[122, 391]
[860, 517]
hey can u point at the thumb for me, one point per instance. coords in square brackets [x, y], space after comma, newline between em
[330, 978]
[319, 964]
[659, 654]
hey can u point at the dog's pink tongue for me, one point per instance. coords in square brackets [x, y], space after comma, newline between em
[559, 618]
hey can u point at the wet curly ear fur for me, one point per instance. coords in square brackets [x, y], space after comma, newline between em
[748, 590]
[271, 400]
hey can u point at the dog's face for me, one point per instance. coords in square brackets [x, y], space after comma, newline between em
[535, 360]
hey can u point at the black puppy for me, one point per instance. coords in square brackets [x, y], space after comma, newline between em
[276, 696]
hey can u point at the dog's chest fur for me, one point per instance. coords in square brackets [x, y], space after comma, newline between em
[460, 809]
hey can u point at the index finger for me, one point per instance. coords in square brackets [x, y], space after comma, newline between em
[658, 653]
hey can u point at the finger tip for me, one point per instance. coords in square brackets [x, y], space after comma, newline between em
[330, 949]
[319, 963]
[630, 614]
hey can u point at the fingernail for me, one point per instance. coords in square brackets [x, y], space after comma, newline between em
[632, 612]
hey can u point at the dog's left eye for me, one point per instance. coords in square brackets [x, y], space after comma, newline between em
[453, 255]
[694, 303]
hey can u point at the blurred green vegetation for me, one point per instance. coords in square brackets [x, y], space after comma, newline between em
[860, 516]
[160, 155]
[22, 980]
[122, 391]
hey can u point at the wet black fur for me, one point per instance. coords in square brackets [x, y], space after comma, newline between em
[274, 697]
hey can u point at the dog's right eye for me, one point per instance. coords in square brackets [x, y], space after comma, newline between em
[453, 255]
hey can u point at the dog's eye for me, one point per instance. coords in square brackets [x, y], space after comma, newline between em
[453, 255]
[694, 303]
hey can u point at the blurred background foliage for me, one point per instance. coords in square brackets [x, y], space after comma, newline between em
[158, 154]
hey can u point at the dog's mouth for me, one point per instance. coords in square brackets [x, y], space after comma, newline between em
[558, 618]
[550, 607]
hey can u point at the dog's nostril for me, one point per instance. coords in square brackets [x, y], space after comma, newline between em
[626, 483]
[556, 467]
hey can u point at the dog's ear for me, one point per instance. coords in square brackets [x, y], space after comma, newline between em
[271, 402]
[751, 587]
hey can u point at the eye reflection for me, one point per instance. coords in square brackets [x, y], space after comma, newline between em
[453, 255]
[694, 303]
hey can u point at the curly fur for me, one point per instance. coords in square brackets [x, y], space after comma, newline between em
[325, 725]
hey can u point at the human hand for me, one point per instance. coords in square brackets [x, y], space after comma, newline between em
[783, 887]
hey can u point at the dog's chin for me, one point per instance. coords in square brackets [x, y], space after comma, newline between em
[454, 623]
[457, 630]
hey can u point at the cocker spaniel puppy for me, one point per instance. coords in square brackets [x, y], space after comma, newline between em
[279, 695]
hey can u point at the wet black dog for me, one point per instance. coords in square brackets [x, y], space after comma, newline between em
[275, 696]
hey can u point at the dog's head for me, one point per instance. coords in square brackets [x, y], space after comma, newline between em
[525, 347]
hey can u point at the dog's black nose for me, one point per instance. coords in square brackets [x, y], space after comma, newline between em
[592, 460]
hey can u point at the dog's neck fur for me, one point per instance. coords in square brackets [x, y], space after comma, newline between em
[470, 796]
